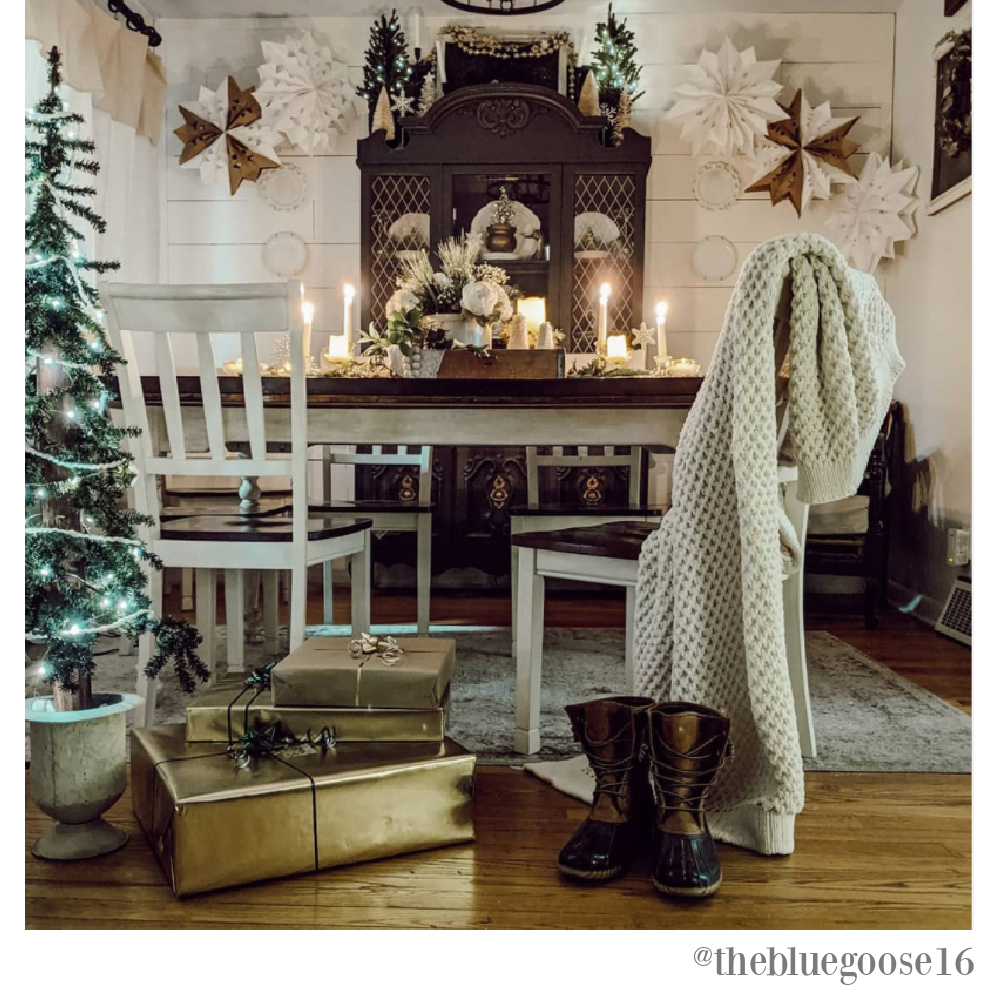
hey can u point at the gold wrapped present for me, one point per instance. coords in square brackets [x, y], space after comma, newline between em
[326, 671]
[225, 712]
[214, 824]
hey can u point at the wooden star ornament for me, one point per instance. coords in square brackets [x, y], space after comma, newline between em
[232, 115]
[804, 154]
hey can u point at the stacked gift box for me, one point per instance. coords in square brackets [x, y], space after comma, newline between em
[335, 755]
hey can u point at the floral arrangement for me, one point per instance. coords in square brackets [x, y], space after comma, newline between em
[462, 285]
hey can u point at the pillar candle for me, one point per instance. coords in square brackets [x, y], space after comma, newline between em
[546, 337]
[618, 349]
[602, 319]
[518, 333]
[661, 330]
[348, 325]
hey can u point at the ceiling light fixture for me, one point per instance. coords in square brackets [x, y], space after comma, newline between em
[503, 6]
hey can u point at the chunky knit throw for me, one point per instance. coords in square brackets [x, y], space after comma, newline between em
[709, 626]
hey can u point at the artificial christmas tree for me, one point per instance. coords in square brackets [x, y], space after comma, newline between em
[614, 61]
[84, 573]
[387, 65]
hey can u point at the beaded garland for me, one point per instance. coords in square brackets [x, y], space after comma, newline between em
[474, 42]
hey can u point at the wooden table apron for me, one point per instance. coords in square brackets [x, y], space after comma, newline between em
[449, 411]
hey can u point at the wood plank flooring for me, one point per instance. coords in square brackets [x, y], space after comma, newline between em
[872, 851]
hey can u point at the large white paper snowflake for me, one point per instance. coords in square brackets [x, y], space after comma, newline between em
[227, 113]
[726, 101]
[307, 90]
[875, 212]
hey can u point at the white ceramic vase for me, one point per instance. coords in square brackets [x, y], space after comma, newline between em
[457, 328]
[78, 762]
[424, 362]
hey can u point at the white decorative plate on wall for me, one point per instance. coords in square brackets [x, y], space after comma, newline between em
[284, 189]
[717, 185]
[714, 258]
[524, 219]
[285, 254]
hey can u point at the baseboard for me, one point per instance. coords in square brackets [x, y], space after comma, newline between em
[927, 609]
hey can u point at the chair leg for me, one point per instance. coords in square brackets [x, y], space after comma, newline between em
[234, 619]
[795, 650]
[297, 608]
[271, 611]
[530, 626]
[629, 639]
[204, 614]
[513, 601]
[328, 593]
[146, 686]
[361, 611]
[187, 589]
[423, 574]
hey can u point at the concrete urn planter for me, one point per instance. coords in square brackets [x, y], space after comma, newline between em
[78, 765]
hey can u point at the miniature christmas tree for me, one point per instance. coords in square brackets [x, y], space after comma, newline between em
[387, 65]
[622, 118]
[428, 93]
[614, 61]
[83, 559]
[589, 103]
[382, 118]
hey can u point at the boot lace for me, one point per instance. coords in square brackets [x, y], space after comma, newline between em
[612, 776]
[677, 787]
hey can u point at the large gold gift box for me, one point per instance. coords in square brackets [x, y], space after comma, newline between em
[223, 713]
[323, 672]
[213, 824]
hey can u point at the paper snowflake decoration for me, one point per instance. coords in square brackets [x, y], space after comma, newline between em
[726, 101]
[643, 337]
[875, 212]
[804, 154]
[306, 90]
[402, 106]
[226, 135]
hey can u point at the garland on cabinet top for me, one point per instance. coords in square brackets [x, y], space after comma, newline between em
[726, 107]
[83, 560]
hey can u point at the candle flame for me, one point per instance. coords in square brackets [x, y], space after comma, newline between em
[661, 310]
[349, 292]
[308, 312]
[605, 292]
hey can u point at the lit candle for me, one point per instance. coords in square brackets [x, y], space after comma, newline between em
[618, 349]
[602, 319]
[661, 330]
[532, 308]
[308, 312]
[348, 299]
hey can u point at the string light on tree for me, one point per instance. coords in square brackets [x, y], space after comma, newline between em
[73, 556]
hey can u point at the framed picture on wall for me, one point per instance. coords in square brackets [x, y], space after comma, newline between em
[952, 175]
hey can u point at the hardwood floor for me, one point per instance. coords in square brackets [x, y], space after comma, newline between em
[872, 850]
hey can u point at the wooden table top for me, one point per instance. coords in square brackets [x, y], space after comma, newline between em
[395, 393]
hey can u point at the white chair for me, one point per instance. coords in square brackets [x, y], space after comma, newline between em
[411, 511]
[269, 541]
[581, 511]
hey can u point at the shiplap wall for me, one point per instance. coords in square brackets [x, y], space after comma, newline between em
[206, 235]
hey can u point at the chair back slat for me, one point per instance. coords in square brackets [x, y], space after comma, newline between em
[167, 374]
[394, 455]
[211, 400]
[253, 397]
[573, 457]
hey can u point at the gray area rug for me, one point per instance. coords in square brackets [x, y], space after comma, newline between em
[867, 718]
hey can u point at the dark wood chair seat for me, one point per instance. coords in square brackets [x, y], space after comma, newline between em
[267, 527]
[617, 540]
[584, 510]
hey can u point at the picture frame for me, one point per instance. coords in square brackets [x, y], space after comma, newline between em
[951, 177]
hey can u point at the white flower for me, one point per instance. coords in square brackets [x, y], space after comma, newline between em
[402, 299]
[506, 309]
[480, 298]
[442, 280]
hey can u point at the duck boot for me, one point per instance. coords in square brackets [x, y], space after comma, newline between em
[612, 732]
[687, 746]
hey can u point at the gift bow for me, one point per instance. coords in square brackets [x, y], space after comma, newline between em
[385, 647]
[268, 742]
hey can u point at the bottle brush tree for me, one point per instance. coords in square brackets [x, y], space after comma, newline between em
[84, 561]
[614, 62]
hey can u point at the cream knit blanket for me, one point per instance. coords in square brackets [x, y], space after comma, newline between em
[709, 626]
